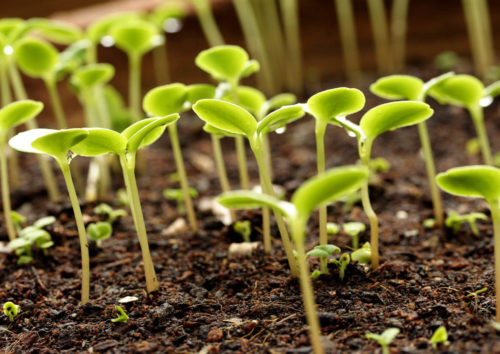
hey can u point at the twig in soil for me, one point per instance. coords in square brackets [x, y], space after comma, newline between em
[38, 280]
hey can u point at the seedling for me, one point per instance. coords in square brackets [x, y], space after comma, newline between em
[99, 231]
[440, 336]
[363, 255]
[59, 144]
[325, 107]
[125, 145]
[326, 187]
[332, 228]
[406, 87]
[244, 228]
[353, 229]
[385, 339]
[455, 220]
[479, 181]
[378, 120]
[475, 295]
[110, 213]
[122, 316]
[11, 116]
[342, 263]
[11, 310]
[323, 252]
[55, 31]
[178, 196]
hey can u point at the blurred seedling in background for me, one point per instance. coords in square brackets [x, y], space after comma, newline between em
[455, 220]
[440, 336]
[362, 255]
[475, 295]
[110, 213]
[385, 339]
[322, 252]
[353, 229]
[342, 263]
[11, 310]
[178, 196]
[99, 231]
[244, 228]
[122, 316]
[326, 187]
[332, 228]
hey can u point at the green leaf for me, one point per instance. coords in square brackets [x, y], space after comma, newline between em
[251, 67]
[120, 115]
[328, 187]
[249, 98]
[165, 100]
[101, 141]
[224, 62]
[100, 231]
[315, 252]
[100, 28]
[198, 92]
[19, 243]
[393, 115]
[280, 118]
[328, 248]
[398, 87]
[148, 133]
[45, 221]
[492, 90]
[353, 228]
[218, 132]
[440, 336]
[60, 142]
[252, 200]
[460, 90]
[18, 112]
[135, 37]
[10, 28]
[36, 58]
[71, 58]
[329, 104]
[91, 75]
[56, 31]
[472, 181]
[280, 100]
[362, 255]
[122, 317]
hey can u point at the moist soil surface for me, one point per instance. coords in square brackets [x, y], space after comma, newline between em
[210, 303]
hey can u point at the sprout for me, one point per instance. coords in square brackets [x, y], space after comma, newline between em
[11, 116]
[110, 213]
[122, 316]
[455, 220]
[11, 310]
[99, 231]
[59, 144]
[479, 181]
[323, 252]
[440, 336]
[353, 229]
[332, 228]
[342, 263]
[384, 339]
[326, 106]
[323, 188]
[244, 228]
[475, 294]
[363, 255]
[178, 196]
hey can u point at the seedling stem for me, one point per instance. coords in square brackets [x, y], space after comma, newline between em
[11, 231]
[134, 86]
[221, 169]
[56, 103]
[320, 152]
[476, 112]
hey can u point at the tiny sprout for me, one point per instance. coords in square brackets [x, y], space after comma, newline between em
[429, 223]
[179, 197]
[343, 262]
[440, 336]
[384, 339]
[11, 310]
[122, 316]
[379, 164]
[363, 254]
[111, 214]
[475, 294]
[323, 252]
[353, 229]
[244, 228]
[455, 220]
[99, 231]
[332, 228]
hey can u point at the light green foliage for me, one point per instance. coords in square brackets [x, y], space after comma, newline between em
[198, 92]
[99, 231]
[323, 252]
[353, 229]
[461, 90]
[109, 212]
[71, 58]
[11, 310]
[178, 196]
[398, 87]
[342, 263]
[363, 254]
[429, 223]
[135, 37]
[36, 58]
[327, 105]
[122, 316]
[119, 114]
[244, 228]
[165, 100]
[384, 339]
[475, 294]
[56, 31]
[492, 90]
[91, 75]
[17, 219]
[332, 228]
[440, 336]
[379, 164]
[170, 10]
[18, 113]
[102, 27]
[454, 220]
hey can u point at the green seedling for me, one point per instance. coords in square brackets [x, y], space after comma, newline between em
[11, 310]
[11, 116]
[429, 223]
[406, 87]
[207, 22]
[353, 229]
[162, 101]
[236, 120]
[440, 336]
[482, 182]
[475, 295]
[378, 120]
[59, 144]
[342, 263]
[18, 219]
[122, 197]
[325, 187]
[323, 252]
[385, 339]
[379, 164]
[111, 214]
[244, 228]
[125, 145]
[363, 255]
[119, 115]
[332, 228]
[178, 196]
[122, 316]
[325, 107]
[99, 231]
[55, 31]
[455, 220]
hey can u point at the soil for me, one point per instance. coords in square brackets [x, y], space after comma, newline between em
[210, 303]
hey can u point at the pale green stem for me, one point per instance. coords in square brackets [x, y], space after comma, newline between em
[128, 166]
[101, 107]
[179, 162]
[495, 215]
[398, 29]
[160, 62]
[381, 35]
[207, 22]
[91, 56]
[240, 146]
[290, 16]
[134, 87]
[476, 113]
[349, 41]
[7, 209]
[56, 104]
[221, 169]
[84, 247]
[320, 155]
[437, 202]
[267, 154]
[484, 15]
[307, 290]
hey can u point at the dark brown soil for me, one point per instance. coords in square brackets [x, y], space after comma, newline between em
[209, 303]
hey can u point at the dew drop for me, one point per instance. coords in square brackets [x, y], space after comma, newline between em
[172, 25]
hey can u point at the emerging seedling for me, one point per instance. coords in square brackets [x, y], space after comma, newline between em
[11, 116]
[178, 196]
[325, 187]
[322, 252]
[59, 144]
[342, 263]
[325, 107]
[440, 336]
[332, 228]
[363, 255]
[353, 229]
[99, 231]
[111, 214]
[385, 339]
[475, 295]
[483, 182]
[122, 316]
[244, 228]
[11, 310]
[454, 220]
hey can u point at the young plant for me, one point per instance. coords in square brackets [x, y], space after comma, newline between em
[475, 295]
[99, 231]
[59, 144]
[332, 228]
[326, 187]
[353, 229]
[125, 145]
[342, 263]
[322, 252]
[325, 107]
[482, 182]
[11, 116]
[363, 255]
[109, 212]
[178, 196]
[122, 316]
[385, 339]
[454, 220]
[440, 336]
[406, 87]
[11, 310]
[378, 120]
[244, 228]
